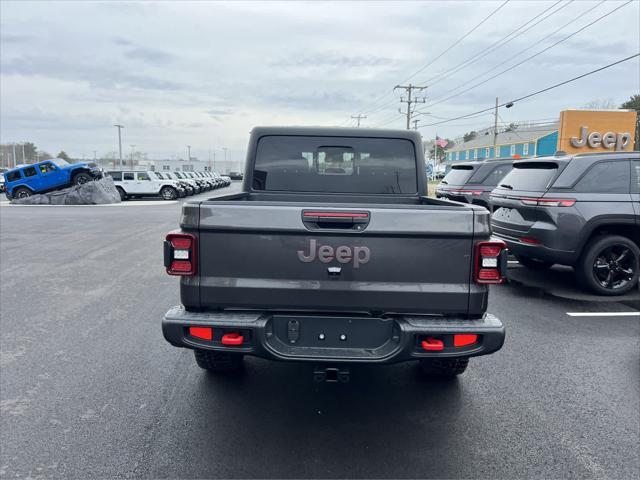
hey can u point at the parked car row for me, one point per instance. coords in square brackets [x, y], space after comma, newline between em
[577, 210]
[46, 176]
[167, 185]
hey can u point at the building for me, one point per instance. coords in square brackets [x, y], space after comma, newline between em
[578, 131]
[194, 165]
[519, 142]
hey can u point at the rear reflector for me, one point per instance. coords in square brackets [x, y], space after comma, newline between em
[530, 241]
[204, 333]
[462, 340]
[432, 344]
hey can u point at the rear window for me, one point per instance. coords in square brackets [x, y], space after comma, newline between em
[533, 176]
[335, 165]
[13, 176]
[458, 175]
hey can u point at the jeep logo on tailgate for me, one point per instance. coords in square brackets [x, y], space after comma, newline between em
[343, 254]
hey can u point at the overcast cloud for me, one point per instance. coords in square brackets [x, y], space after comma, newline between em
[205, 73]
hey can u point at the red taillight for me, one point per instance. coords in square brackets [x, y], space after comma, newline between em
[489, 265]
[464, 339]
[204, 333]
[467, 192]
[181, 254]
[547, 202]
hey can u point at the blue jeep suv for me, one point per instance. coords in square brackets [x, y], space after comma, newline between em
[47, 175]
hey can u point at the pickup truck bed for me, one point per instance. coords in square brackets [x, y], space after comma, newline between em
[418, 256]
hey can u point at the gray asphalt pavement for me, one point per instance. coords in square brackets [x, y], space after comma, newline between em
[90, 389]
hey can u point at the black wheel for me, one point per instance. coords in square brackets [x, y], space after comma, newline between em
[217, 362]
[22, 192]
[168, 193]
[610, 265]
[123, 195]
[443, 367]
[81, 178]
[532, 263]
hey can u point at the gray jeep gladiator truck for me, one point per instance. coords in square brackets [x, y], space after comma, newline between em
[333, 254]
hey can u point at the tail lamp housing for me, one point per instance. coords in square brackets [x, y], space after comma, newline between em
[181, 253]
[548, 202]
[490, 262]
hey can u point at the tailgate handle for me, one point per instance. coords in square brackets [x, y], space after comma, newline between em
[335, 220]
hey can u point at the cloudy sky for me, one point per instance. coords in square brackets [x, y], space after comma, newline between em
[203, 73]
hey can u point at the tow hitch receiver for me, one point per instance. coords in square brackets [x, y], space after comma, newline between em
[331, 374]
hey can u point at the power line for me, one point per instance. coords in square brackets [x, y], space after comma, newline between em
[537, 92]
[457, 41]
[496, 45]
[437, 57]
[440, 99]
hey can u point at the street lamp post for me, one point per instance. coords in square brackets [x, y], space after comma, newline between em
[119, 127]
[189, 153]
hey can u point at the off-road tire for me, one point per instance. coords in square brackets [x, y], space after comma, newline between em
[443, 367]
[219, 362]
[22, 192]
[597, 245]
[123, 195]
[168, 193]
[81, 178]
[532, 263]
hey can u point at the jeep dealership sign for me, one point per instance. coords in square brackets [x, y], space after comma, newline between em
[610, 140]
[583, 131]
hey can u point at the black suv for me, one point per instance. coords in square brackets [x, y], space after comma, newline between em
[472, 182]
[578, 210]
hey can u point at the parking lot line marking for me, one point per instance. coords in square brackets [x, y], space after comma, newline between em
[603, 314]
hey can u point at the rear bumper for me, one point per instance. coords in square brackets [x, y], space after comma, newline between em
[297, 337]
[537, 251]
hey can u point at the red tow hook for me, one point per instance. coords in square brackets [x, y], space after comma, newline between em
[233, 338]
[432, 344]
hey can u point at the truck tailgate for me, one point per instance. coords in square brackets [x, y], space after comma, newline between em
[263, 255]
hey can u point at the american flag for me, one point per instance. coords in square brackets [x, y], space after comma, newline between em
[441, 142]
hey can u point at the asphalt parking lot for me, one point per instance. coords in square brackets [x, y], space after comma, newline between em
[90, 389]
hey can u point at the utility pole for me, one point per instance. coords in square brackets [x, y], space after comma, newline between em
[415, 123]
[410, 100]
[495, 129]
[131, 159]
[15, 162]
[358, 118]
[189, 152]
[120, 127]
[214, 161]
[24, 159]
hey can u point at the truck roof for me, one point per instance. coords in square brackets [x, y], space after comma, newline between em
[339, 132]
